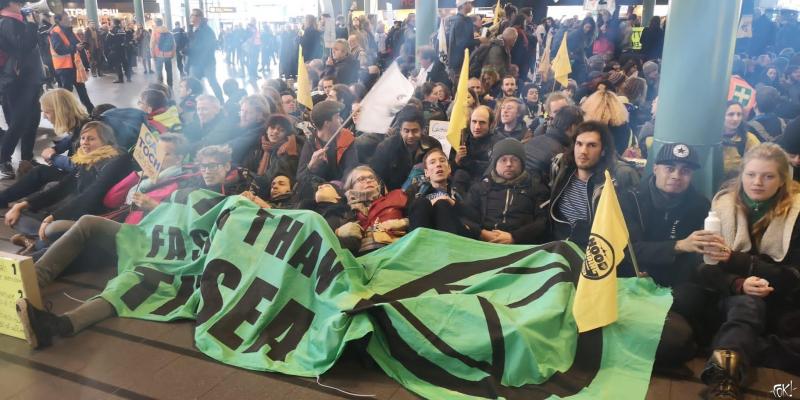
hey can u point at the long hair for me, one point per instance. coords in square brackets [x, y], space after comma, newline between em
[67, 112]
[605, 106]
[104, 132]
[783, 198]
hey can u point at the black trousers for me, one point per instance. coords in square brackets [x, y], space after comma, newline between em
[67, 81]
[744, 322]
[22, 111]
[689, 322]
[442, 216]
[30, 183]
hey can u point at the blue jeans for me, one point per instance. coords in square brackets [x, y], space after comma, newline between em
[161, 65]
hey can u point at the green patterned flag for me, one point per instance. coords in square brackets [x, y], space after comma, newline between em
[449, 317]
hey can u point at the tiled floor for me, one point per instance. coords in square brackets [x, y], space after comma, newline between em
[132, 359]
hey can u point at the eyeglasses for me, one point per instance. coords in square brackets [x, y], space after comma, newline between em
[364, 178]
[209, 166]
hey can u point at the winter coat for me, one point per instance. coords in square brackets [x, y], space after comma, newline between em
[156, 39]
[477, 160]
[540, 150]
[662, 225]
[117, 195]
[282, 160]
[510, 208]
[19, 41]
[346, 70]
[461, 36]
[342, 157]
[202, 47]
[312, 44]
[393, 163]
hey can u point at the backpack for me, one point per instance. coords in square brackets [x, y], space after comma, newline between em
[166, 42]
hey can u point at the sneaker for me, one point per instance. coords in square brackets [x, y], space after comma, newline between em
[7, 171]
[39, 326]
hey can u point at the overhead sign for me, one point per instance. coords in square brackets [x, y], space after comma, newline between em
[80, 12]
[17, 280]
[222, 10]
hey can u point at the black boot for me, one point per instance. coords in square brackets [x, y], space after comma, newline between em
[41, 326]
[723, 374]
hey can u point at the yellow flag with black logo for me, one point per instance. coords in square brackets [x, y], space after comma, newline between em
[595, 303]
[303, 81]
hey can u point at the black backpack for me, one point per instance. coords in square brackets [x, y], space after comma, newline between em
[166, 42]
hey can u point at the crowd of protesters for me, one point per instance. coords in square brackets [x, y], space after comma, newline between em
[528, 170]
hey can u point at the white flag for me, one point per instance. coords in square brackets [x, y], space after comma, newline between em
[442, 37]
[384, 100]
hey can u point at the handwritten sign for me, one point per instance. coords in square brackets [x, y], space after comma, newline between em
[17, 280]
[438, 131]
[146, 153]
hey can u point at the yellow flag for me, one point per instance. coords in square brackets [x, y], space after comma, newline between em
[459, 119]
[544, 64]
[595, 303]
[561, 65]
[497, 11]
[303, 83]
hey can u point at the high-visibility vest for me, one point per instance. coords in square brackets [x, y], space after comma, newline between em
[61, 61]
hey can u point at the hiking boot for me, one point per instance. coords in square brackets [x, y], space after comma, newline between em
[723, 375]
[26, 166]
[27, 243]
[41, 326]
[7, 171]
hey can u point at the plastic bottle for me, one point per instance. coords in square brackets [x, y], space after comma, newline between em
[712, 224]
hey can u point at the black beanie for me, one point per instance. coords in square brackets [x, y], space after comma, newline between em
[790, 140]
[505, 147]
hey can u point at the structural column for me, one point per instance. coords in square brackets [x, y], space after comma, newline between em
[167, 14]
[648, 10]
[138, 11]
[91, 11]
[187, 10]
[691, 101]
[425, 13]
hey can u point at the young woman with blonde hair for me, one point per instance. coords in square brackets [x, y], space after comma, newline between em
[757, 274]
[604, 106]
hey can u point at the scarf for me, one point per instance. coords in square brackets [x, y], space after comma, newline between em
[757, 209]
[89, 159]
[289, 146]
[9, 14]
[361, 200]
[509, 182]
[663, 201]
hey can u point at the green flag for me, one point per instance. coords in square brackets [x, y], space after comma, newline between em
[450, 317]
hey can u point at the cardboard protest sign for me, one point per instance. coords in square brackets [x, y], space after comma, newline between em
[145, 153]
[17, 280]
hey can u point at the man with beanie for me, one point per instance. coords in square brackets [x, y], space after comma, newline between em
[321, 161]
[671, 246]
[504, 206]
[790, 142]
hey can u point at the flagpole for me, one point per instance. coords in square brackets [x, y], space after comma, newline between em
[331, 140]
[633, 257]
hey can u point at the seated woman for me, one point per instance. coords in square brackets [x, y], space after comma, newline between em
[279, 150]
[737, 139]
[188, 90]
[143, 192]
[758, 274]
[99, 164]
[160, 115]
[435, 204]
[379, 217]
[98, 234]
[68, 116]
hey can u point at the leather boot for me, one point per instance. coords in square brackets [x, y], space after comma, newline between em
[723, 374]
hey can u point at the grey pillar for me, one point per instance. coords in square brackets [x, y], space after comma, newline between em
[648, 10]
[138, 11]
[167, 14]
[426, 12]
[187, 11]
[691, 102]
[91, 11]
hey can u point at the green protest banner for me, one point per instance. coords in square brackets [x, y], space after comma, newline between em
[450, 317]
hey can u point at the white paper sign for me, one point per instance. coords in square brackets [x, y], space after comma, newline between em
[438, 131]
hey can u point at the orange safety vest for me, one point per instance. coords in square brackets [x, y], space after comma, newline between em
[61, 61]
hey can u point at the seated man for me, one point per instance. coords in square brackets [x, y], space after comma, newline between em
[397, 155]
[280, 192]
[323, 162]
[504, 206]
[209, 115]
[98, 235]
[471, 159]
[578, 183]
[433, 203]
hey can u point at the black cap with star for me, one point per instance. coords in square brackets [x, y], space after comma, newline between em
[672, 153]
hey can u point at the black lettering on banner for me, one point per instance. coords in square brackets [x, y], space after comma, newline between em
[148, 283]
[156, 241]
[307, 254]
[209, 288]
[295, 320]
[200, 239]
[257, 225]
[204, 205]
[177, 249]
[223, 217]
[224, 329]
[182, 196]
[180, 299]
[283, 236]
[329, 267]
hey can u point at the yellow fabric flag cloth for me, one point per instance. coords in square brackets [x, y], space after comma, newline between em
[459, 119]
[595, 303]
[303, 82]
[561, 66]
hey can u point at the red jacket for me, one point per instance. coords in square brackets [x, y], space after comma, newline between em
[115, 198]
[391, 206]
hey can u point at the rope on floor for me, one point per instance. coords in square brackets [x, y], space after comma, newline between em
[343, 391]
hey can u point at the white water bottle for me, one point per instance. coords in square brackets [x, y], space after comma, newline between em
[712, 224]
